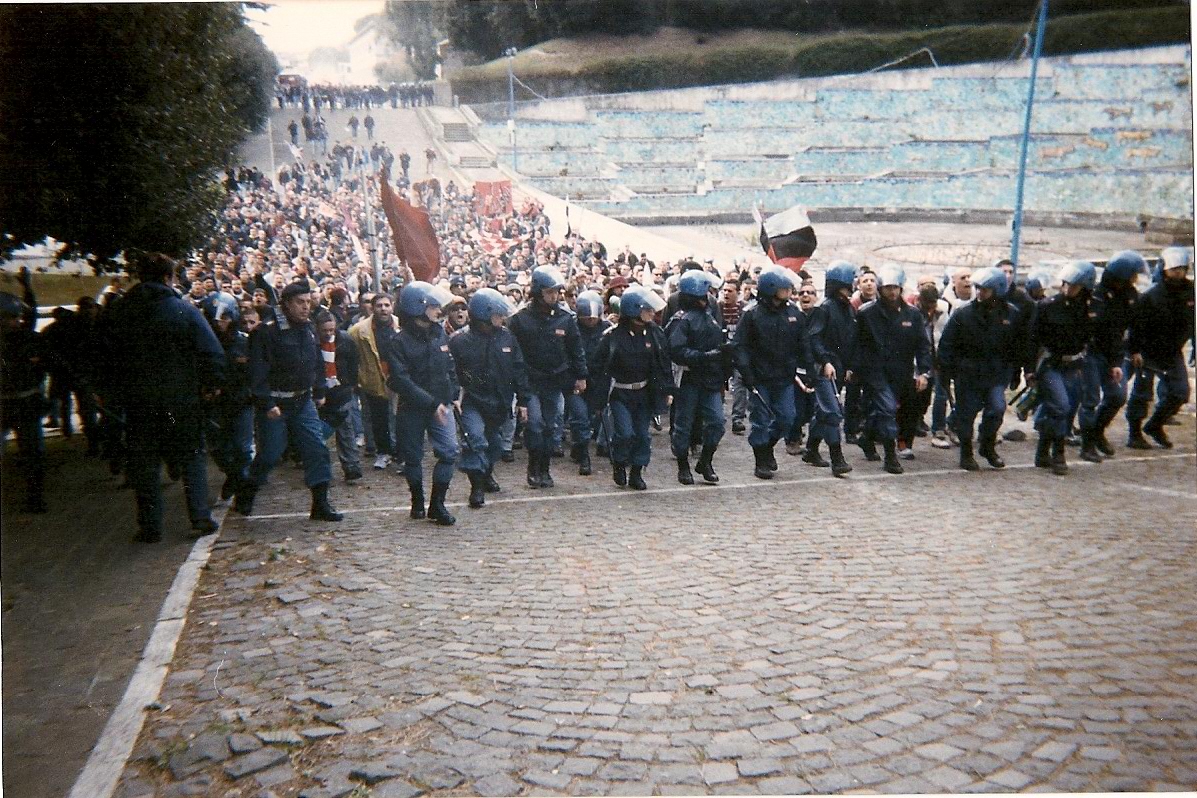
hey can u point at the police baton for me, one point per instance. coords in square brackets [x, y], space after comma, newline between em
[770, 416]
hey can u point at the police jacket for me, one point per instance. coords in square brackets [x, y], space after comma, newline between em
[161, 353]
[551, 345]
[629, 356]
[1064, 327]
[234, 391]
[1162, 323]
[832, 331]
[892, 345]
[1118, 311]
[284, 358]
[771, 344]
[597, 381]
[984, 342]
[421, 366]
[695, 344]
[490, 369]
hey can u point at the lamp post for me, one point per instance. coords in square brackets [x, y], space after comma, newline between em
[1026, 135]
[515, 153]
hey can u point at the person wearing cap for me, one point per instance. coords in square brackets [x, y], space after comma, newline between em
[286, 379]
[491, 372]
[984, 342]
[1163, 322]
[421, 371]
[22, 373]
[892, 362]
[832, 330]
[1105, 364]
[635, 354]
[697, 345]
[1062, 329]
[548, 336]
[771, 344]
[162, 358]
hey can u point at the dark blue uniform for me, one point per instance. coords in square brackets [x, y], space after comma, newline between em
[423, 374]
[1163, 322]
[553, 353]
[1104, 396]
[597, 383]
[770, 344]
[22, 403]
[892, 347]
[230, 415]
[1062, 330]
[162, 357]
[696, 343]
[637, 361]
[491, 371]
[832, 330]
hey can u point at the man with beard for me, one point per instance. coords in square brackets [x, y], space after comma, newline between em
[983, 344]
[1162, 324]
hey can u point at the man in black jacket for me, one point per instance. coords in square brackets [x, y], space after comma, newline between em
[22, 372]
[832, 341]
[696, 343]
[340, 359]
[162, 358]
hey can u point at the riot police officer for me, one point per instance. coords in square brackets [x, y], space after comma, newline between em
[548, 336]
[984, 343]
[832, 340]
[162, 358]
[635, 354]
[696, 343]
[591, 326]
[1105, 374]
[230, 427]
[423, 375]
[1163, 322]
[892, 360]
[21, 378]
[1062, 330]
[491, 372]
[770, 345]
[286, 380]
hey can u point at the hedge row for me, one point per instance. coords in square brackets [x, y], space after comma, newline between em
[848, 53]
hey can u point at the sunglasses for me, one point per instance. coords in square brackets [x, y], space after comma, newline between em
[808, 293]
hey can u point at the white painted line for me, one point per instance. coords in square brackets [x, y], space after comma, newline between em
[855, 476]
[1177, 493]
[100, 775]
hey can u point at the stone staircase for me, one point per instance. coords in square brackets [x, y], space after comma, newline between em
[456, 131]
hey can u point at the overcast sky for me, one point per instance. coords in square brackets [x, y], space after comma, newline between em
[296, 26]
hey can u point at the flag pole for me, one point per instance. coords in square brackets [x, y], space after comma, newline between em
[1026, 135]
[372, 248]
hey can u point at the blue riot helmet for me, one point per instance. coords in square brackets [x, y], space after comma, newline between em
[991, 277]
[890, 274]
[697, 283]
[1038, 280]
[418, 297]
[773, 279]
[638, 299]
[221, 306]
[590, 305]
[486, 303]
[840, 273]
[1124, 266]
[544, 278]
[1173, 258]
[1081, 273]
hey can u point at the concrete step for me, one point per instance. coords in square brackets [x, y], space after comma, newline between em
[456, 131]
[476, 162]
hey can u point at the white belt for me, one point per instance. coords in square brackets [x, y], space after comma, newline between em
[630, 386]
[286, 394]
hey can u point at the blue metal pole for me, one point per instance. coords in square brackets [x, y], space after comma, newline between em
[515, 155]
[1026, 134]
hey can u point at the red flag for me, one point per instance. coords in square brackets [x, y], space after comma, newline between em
[411, 230]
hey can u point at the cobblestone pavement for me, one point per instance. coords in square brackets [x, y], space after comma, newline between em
[933, 632]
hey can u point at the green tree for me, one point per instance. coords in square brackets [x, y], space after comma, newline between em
[115, 121]
[417, 26]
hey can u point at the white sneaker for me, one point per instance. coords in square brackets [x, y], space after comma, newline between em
[906, 454]
[940, 440]
[382, 461]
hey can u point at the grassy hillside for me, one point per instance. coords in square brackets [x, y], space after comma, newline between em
[674, 58]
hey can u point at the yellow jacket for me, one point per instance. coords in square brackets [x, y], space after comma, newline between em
[371, 370]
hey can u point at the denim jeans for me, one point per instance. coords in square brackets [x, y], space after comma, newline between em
[973, 398]
[829, 414]
[543, 414]
[692, 404]
[771, 413]
[1102, 397]
[631, 413]
[1060, 391]
[177, 438]
[443, 437]
[232, 441]
[1174, 390]
[483, 439]
[301, 422]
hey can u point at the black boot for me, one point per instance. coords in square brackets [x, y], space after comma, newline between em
[619, 473]
[762, 470]
[988, 450]
[584, 468]
[437, 512]
[533, 469]
[321, 509]
[812, 456]
[1154, 429]
[635, 480]
[488, 481]
[869, 447]
[683, 471]
[574, 454]
[1099, 433]
[705, 466]
[1089, 451]
[772, 459]
[839, 466]
[892, 464]
[546, 479]
[417, 499]
[967, 461]
[243, 501]
[1134, 436]
[229, 489]
[1059, 463]
[1043, 452]
[477, 489]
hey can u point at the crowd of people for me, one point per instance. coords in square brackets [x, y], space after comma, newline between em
[316, 96]
[278, 338]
